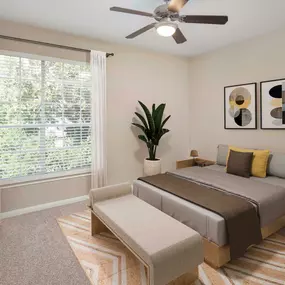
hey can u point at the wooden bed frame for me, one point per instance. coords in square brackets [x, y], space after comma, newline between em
[218, 256]
[215, 255]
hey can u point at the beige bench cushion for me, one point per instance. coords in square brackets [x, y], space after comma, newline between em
[169, 247]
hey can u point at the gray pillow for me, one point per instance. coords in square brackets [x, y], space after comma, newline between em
[276, 164]
[240, 163]
[222, 154]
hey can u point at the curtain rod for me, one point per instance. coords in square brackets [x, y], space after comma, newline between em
[49, 44]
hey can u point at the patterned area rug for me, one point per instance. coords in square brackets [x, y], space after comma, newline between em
[107, 261]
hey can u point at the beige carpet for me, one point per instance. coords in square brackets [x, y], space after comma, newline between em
[107, 262]
[33, 250]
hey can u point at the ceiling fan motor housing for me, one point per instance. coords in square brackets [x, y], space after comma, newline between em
[162, 12]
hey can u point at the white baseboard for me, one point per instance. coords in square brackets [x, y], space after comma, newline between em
[42, 207]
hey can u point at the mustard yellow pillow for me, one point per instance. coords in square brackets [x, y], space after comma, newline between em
[259, 162]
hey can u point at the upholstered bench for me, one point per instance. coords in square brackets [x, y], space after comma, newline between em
[170, 251]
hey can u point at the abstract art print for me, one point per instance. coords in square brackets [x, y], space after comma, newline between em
[272, 104]
[240, 107]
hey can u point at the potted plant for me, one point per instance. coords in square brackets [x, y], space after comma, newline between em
[152, 126]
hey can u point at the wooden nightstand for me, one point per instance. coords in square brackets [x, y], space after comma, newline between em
[193, 162]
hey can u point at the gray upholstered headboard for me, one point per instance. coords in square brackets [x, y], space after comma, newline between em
[276, 163]
[222, 154]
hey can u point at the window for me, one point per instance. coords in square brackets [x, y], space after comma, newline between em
[45, 116]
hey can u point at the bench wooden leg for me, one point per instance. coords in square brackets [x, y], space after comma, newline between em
[97, 226]
[186, 279]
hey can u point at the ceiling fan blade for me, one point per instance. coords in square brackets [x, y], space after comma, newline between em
[130, 11]
[176, 5]
[179, 37]
[141, 31]
[205, 19]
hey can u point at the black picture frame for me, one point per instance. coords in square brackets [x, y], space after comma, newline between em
[255, 105]
[260, 99]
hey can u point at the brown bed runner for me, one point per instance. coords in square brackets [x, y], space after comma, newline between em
[241, 217]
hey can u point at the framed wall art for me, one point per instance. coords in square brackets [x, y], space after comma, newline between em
[240, 107]
[272, 104]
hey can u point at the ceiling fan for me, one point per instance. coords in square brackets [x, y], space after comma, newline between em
[167, 17]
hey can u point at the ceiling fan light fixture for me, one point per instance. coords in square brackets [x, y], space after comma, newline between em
[166, 29]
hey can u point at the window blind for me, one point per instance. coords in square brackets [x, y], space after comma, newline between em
[45, 116]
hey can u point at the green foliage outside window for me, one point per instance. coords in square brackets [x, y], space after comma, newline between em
[45, 116]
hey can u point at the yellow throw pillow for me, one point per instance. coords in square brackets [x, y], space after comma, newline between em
[259, 162]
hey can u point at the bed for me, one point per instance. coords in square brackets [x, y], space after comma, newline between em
[211, 225]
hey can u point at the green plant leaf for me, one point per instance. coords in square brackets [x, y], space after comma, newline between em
[146, 131]
[153, 109]
[149, 117]
[139, 126]
[163, 132]
[143, 138]
[142, 119]
[164, 121]
[158, 108]
[158, 118]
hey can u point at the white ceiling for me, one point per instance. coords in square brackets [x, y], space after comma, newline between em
[92, 18]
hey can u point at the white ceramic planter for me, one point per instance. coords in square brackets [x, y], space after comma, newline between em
[152, 167]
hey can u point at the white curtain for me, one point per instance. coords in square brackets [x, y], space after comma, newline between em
[98, 119]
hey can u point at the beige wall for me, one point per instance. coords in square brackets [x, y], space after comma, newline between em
[256, 60]
[133, 75]
[42, 192]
